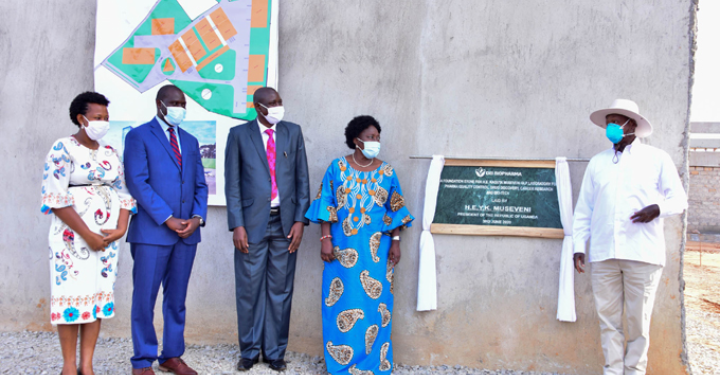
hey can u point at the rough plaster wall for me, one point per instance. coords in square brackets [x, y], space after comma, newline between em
[460, 78]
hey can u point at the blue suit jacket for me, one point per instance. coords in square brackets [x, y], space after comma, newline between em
[248, 187]
[160, 186]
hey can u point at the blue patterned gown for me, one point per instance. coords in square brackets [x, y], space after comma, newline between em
[357, 290]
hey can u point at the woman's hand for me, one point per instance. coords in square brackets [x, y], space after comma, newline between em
[394, 253]
[95, 241]
[326, 250]
[112, 235]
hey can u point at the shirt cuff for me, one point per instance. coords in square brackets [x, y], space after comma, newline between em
[666, 209]
[169, 217]
[579, 247]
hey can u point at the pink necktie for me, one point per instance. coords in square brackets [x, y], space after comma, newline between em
[271, 161]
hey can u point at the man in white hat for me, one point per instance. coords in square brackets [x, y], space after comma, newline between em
[626, 192]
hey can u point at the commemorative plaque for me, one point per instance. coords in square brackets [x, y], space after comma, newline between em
[498, 197]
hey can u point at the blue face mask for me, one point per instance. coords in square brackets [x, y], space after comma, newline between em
[175, 115]
[614, 132]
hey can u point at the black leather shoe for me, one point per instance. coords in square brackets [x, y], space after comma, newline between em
[246, 364]
[278, 364]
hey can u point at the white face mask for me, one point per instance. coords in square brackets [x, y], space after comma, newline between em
[175, 115]
[371, 149]
[96, 129]
[275, 114]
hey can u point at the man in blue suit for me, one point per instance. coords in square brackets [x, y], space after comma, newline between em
[163, 170]
[267, 190]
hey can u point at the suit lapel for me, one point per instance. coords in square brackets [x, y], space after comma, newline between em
[281, 145]
[162, 138]
[184, 149]
[256, 139]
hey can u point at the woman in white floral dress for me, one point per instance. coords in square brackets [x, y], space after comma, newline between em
[84, 189]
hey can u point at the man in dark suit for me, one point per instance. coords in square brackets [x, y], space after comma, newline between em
[267, 191]
[163, 171]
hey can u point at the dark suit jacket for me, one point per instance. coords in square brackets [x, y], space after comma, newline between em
[248, 187]
[161, 188]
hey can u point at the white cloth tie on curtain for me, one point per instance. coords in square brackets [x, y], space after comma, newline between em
[566, 290]
[427, 285]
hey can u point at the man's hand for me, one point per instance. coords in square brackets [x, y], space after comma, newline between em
[190, 226]
[646, 215]
[326, 250]
[295, 236]
[240, 240]
[579, 260]
[394, 253]
[175, 224]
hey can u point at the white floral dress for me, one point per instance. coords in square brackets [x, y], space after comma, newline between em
[92, 182]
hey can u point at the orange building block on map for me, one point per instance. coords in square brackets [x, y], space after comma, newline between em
[193, 45]
[212, 57]
[208, 35]
[181, 58]
[138, 56]
[256, 68]
[259, 14]
[163, 26]
[223, 24]
[168, 66]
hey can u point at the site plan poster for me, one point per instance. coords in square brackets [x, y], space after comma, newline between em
[217, 51]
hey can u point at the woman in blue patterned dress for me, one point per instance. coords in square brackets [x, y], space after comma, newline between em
[361, 209]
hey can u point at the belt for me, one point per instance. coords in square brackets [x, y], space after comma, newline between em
[274, 211]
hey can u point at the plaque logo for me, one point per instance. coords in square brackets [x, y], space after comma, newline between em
[480, 172]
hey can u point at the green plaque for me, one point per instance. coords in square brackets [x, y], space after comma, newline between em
[498, 196]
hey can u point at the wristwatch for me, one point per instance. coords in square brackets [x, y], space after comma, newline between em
[202, 222]
[396, 238]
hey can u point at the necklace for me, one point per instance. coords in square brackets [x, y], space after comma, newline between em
[360, 165]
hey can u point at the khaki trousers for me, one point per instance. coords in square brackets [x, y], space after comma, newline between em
[625, 283]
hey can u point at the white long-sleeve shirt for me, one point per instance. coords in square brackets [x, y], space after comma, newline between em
[611, 193]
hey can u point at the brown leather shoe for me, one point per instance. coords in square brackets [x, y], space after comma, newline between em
[177, 366]
[143, 371]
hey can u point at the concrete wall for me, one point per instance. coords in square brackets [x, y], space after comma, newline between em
[469, 78]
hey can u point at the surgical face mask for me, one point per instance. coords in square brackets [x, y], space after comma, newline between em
[614, 132]
[175, 115]
[371, 149]
[275, 114]
[96, 129]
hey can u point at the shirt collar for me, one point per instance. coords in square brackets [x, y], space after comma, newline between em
[163, 124]
[263, 128]
[633, 146]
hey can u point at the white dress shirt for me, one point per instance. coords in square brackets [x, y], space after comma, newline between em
[265, 137]
[611, 193]
[165, 127]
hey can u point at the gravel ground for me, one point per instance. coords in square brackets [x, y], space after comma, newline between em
[702, 306]
[703, 331]
[39, 353]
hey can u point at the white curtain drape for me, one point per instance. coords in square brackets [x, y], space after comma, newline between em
[427, 285]
[566, 290]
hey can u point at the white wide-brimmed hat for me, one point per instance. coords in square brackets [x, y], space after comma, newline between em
[627, 108]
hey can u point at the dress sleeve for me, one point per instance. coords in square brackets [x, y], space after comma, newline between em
[324, 207]
[56, 179]
[127, 202]
[396, 214]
